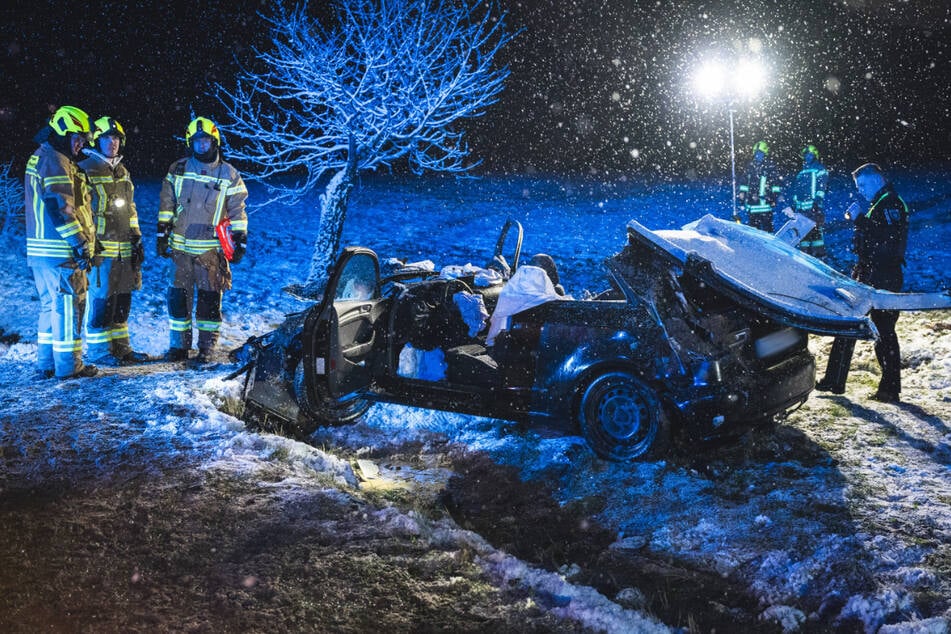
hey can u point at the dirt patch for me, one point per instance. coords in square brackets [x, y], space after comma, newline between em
[207, 552]
[522, 518]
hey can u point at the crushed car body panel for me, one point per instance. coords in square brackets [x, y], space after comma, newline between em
[794, 288]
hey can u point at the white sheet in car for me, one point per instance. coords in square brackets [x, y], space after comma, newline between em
[764, 265]
[528, 287]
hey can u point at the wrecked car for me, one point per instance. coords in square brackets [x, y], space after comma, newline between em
[699, 332]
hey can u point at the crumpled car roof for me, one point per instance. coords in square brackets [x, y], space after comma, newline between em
[786, 284]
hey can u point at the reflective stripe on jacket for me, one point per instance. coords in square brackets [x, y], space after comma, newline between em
[809, 188]
[113, 205]
[197, 196]
[760, 187]
[880, 241]
[57, 210]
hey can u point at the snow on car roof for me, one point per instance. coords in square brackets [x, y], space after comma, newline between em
[797, 288]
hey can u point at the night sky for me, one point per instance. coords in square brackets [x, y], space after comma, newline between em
[597, 87]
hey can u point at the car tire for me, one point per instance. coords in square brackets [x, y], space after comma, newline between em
[315, 414]
[622, 419]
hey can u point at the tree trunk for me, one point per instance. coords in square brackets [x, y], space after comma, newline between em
[10, 222]
[333, 211]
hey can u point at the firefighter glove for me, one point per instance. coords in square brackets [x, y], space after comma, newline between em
[138, 251]
[240, 246]
[161, 244]
[82, 257]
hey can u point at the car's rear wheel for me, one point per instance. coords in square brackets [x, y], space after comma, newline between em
[319, 411]
[622, 418]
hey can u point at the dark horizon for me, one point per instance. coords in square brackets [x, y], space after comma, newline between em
[598, 90]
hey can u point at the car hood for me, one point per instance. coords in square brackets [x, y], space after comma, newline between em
[757, 268]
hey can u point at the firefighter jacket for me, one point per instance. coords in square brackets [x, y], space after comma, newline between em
[113, 206]
[195, 197]
[58, 216]
[809, 191]
[760, 187]
[880, 239]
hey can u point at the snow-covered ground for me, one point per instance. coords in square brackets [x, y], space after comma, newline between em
[840, 517]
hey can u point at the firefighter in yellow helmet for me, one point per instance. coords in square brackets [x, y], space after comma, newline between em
[117, 267]
[60, 241]
[202, 227]
[759, 189]
[808, 198]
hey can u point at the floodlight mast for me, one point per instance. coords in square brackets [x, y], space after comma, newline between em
[733, 163]
[746, 80]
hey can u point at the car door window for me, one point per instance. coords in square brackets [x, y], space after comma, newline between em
[358, 280]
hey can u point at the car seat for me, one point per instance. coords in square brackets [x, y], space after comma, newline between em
[426, 316]
[547, 264]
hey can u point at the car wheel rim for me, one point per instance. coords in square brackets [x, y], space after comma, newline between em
[622, 413]
[619, 417]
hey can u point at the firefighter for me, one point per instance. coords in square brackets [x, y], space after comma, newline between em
[117, 267]
[808, 198]
[60, 242]
[879, 240]
[201, 192]
[760, 189]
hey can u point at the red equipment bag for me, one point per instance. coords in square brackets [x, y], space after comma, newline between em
[225, 239]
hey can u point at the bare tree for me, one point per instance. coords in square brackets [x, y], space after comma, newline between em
[11, 198]
[388, 81]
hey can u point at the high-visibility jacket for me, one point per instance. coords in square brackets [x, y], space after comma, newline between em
[58, 215]
[809, 189]
[808, 198]
[195, 197]
[760, 187]
[113, 205]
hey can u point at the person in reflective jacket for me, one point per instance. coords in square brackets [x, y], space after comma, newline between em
[199, 193]
[60, 241]
[808, 194]
[759, 189]
[117, 267]
[879, 241]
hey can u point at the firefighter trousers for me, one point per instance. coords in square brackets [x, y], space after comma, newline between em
[62, 295]
[110, 300]
[207, 276]
[814, 243]
[762, 220]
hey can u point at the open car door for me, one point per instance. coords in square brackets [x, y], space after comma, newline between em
[341, 337]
